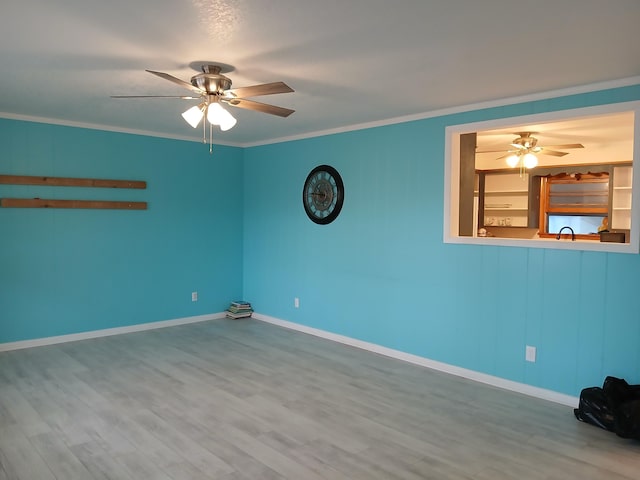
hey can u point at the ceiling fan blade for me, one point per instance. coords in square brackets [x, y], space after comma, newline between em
[258, 90]
[177, 81]
[493, 151]
[567, 145]
[259, 107]
[182, 97]
[553, 153]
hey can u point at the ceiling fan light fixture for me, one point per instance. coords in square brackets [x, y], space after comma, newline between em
[215, 113]
[530, 160]
[512, 160]
[228, 123]
[219, 116]
[194, 115]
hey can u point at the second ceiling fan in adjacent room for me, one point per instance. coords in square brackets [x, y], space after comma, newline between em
[525, 148]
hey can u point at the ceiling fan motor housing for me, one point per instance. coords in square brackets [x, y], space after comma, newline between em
[525, 140]
[212, 83]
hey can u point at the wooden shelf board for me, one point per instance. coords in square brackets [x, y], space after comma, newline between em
[50, 203]
[70, 182]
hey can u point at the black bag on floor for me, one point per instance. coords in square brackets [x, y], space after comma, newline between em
[617, 391]
[614, 407]
[627, 424]
[594, 409]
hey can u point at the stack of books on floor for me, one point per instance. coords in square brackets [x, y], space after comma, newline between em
[239, 309]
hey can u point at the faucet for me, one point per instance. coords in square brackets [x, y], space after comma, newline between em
[573, 235]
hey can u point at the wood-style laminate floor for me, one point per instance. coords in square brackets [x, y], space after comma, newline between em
[245, 400]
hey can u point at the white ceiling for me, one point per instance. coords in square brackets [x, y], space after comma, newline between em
[349, 61]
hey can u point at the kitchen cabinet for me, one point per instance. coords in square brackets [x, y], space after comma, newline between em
[620, 214]
[505, 200]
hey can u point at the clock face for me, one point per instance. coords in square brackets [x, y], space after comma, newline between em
[323, 194]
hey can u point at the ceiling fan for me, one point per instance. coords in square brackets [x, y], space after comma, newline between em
[214, 88]
[525, 148]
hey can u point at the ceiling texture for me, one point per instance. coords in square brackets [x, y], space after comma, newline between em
[350, 62]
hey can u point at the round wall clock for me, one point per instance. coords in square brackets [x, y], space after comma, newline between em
[323, 194]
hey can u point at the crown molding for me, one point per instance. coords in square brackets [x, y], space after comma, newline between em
[546, 95]
[107, 128]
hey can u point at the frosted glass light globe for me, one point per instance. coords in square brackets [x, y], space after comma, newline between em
[530, 160]
[512, 160]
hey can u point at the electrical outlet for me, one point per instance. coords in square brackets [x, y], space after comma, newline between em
[296, 302]
[194, 296]
[530, 354]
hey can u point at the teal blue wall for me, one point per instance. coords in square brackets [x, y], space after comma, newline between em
[381, 272]
[232, 225]
[69, 271]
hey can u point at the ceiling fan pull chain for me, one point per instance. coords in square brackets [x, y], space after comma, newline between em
[210, 138]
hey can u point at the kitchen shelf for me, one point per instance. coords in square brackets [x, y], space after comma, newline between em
[505, 192]
[505, 209]
[622, 195]
[506, 200]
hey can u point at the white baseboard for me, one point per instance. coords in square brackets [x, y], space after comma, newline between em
[510, 385]
[39, 342]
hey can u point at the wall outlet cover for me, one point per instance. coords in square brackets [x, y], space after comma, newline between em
[530, 354]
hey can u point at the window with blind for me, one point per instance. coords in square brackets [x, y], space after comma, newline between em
[579, 201]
